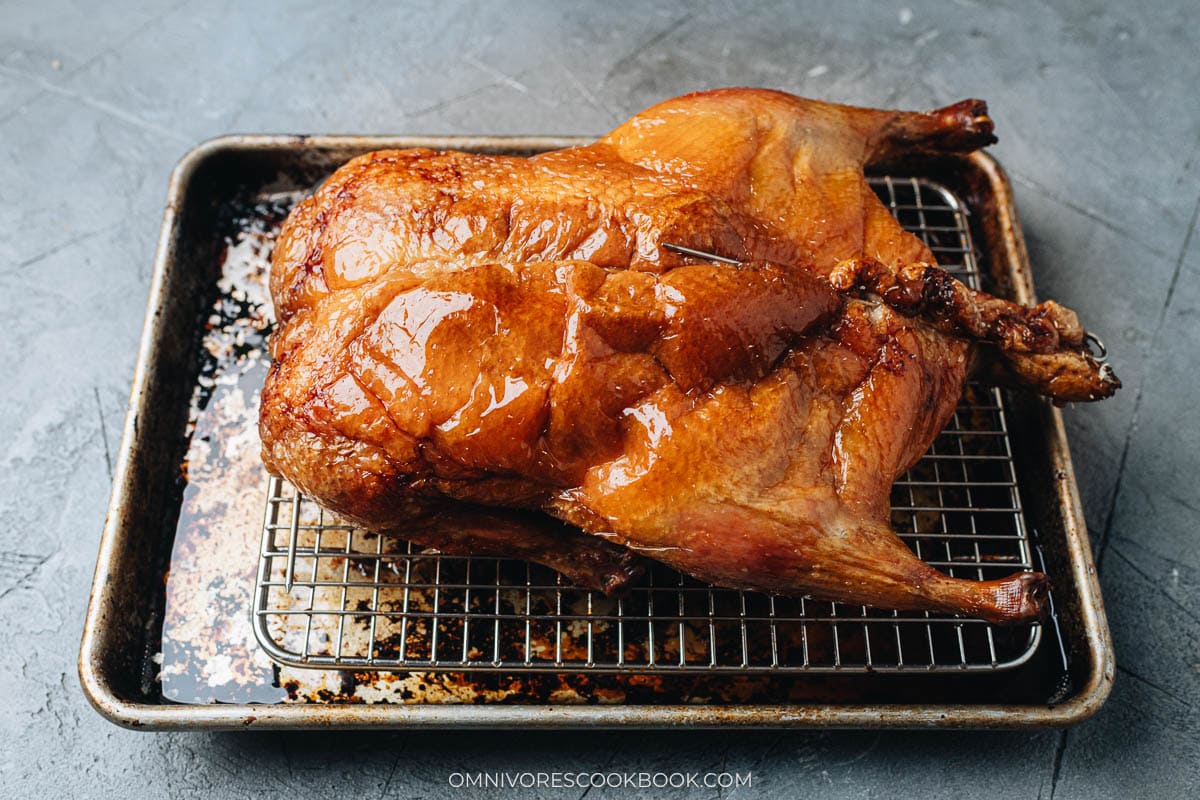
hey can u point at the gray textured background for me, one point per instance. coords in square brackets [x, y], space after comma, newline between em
[1097, 111]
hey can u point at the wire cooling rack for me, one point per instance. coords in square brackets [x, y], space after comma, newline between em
[334, 596]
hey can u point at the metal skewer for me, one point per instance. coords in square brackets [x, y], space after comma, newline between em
[689, 251]
[1090, 338]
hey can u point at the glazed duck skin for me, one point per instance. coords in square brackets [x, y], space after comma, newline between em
[465, 339]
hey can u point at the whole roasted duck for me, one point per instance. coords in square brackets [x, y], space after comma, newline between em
[498, 355]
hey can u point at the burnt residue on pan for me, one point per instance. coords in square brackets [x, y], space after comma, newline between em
[208, 652]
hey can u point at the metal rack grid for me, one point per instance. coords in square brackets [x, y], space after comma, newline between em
[333, 596]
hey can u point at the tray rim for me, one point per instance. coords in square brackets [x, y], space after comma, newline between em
[99, 691]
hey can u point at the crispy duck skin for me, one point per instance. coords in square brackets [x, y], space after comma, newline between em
[465, 339]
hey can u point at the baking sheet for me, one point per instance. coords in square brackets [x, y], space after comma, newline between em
[224, 200]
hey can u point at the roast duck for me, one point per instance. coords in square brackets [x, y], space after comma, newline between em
[498, 355]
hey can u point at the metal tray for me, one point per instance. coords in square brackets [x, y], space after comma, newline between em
[1063, 679]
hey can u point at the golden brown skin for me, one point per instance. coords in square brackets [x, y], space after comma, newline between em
[508, 333]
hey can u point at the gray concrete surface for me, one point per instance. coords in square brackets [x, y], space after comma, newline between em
[1099, 121]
